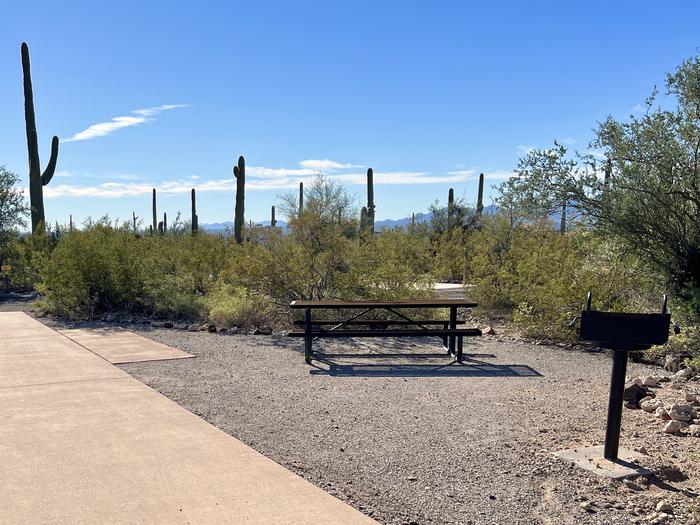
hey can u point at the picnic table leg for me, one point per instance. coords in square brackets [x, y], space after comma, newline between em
[308, 339]
[459, 348]
[453, 326]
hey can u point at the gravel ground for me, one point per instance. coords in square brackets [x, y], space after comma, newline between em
[421, 440]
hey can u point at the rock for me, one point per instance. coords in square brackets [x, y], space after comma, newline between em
[664, 379]
[683, 373]
[157, 324]
[691, 397]
[694, 430]
[262, 331]
[652, 405]
[633, 393]
[672, 427]
[110, 317]
[587, 506]
[664, 506]
[488, 331]
[211, 328]
[673, 362]
[662, 414]
[203, 328]
[641, 450]
[681, 412]
[650, 381]
[194, 327]
[168, 324]
[180, 326]
[223, 330]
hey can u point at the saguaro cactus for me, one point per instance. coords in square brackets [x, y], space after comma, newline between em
[301, 198]
[195, 218]
[363, 220]
[37, 180]
[155, 215]
[239, 173]
[370, 200]
[133, 218]
[165, 223]
[480, 196]
[273, 221]
[450, 208]
[70, 222]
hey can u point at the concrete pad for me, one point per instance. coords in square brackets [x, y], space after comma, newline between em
[592, 460]
[112, 450]
[117, 345]
[33, 354]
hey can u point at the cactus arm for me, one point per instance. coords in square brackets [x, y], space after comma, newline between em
[51, 166]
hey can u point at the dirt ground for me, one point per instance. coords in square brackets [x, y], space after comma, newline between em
[407, 436]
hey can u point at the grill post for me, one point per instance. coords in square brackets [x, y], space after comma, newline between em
[617, 387]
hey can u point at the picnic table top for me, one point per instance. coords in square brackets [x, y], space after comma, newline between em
[412, 303]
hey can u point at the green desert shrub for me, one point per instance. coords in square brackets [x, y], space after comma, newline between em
[231, 306]
[105, 268]
[543, 277]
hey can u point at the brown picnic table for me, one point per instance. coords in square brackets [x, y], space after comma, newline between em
[348, 319]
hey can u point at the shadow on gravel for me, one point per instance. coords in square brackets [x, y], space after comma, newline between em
[454, 369]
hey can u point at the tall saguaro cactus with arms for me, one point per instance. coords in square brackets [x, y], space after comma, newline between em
[37, 179]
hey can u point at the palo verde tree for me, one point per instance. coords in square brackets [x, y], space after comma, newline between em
[648, 192]
[539, 188]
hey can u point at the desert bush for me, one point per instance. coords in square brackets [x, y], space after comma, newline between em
[543, 277]
[231, 306]
[106, 268]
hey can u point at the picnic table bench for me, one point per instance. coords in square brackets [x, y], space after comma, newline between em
[344, 326]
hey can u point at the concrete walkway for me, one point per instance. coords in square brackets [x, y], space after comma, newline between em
[119, 346]
[83, 442]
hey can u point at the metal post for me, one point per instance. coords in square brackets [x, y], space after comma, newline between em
[308, 339]
[617, 387]
[453, 326]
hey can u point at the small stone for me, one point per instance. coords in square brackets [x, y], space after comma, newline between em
[194, 327]
[211, 328]
[650, 381]
[632, 485]
[641, 450]
[681, 412]
[203, 328]
[168, 324]
[488, 331]
[694, 430]
[110, 317]
[691, 397]
[672, 427]
[662, 414]
[587, 506]
[664, 506]
[683, 373]
[412, 478]
[652, 405]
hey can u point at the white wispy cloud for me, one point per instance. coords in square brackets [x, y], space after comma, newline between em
[262, 178]
[105, 128]
[326, 165]
[473, 174]
[638, 108]
[524, 149]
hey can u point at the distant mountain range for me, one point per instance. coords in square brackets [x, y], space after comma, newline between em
[386, 224]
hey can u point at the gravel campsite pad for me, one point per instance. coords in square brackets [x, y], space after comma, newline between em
[415, 439]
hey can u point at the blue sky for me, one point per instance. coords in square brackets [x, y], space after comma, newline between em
[168, 94]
